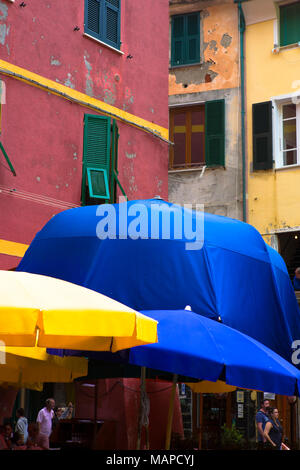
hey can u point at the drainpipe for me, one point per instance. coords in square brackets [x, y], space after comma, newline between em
[242, 28]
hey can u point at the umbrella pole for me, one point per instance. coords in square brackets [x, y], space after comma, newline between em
[143, 386]
[171, 413]
[147, 438]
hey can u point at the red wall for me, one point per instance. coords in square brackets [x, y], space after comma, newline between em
[118, 402]
[43, 133]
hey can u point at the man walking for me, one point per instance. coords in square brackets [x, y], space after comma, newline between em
[44, 418]
[261, 420]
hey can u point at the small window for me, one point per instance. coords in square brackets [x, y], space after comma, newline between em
[198, 133]
[289, 23]
[185, 43]
[102, 20]
[98, 183]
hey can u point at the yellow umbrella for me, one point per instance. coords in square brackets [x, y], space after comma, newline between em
[53, 313]
[211, 387]
[30, 367]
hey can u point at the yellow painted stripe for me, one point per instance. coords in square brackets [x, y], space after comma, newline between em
[179, 130]
[198, 128]
[12, 248]
[57, 89]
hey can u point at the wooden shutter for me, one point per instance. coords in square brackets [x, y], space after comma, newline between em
[289, 24]
[178, 38]
[262, 136]
[114, 161]
[96, 153]
[215, 133]
[192, 42]
[92, 17]
[112, 22]
[185, 46]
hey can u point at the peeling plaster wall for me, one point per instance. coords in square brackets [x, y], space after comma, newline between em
[216, 77]
[219, 49]
[43, 134]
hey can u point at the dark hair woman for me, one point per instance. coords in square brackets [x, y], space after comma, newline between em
[273, 430]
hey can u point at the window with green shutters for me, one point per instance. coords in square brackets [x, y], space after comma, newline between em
[289, 23]
[99, 164]
[185, 39]
[198, 133]
[102, 20]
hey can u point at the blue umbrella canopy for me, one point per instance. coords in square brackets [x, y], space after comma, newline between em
[234, 275]
[200, 348]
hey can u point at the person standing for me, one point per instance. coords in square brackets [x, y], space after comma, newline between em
[6, 438]
[22, 425]
[44, 418]
[273, 430]
[296, 280]
[262, 418]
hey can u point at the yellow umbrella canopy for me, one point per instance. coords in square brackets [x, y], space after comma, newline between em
[211, 387]
[29, 367]
[51, 313]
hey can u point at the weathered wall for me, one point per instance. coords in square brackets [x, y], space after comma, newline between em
[219, 50]
[217, 77]
[219, 189]
[43, 133]
[273, 195]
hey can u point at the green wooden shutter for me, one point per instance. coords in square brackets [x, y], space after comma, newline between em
[185, 44]
[114, 162]
[192, 39]
[178, 40]
[289, 24]
[92, 17]
[112, 22]
[262, 136]
[215, 133]
[96, 156]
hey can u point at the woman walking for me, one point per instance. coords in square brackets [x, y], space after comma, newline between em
[273, 430]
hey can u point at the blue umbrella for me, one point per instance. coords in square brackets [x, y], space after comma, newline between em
[235, 275]
[197, 347]
[194, 346]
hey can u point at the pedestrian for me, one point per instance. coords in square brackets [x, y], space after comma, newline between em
[261, 419]
[44, 418]
[273, 430]
[22, 425]
[6, 442]
[296, 280]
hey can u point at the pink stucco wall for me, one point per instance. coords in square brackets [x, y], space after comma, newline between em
[43, 133]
